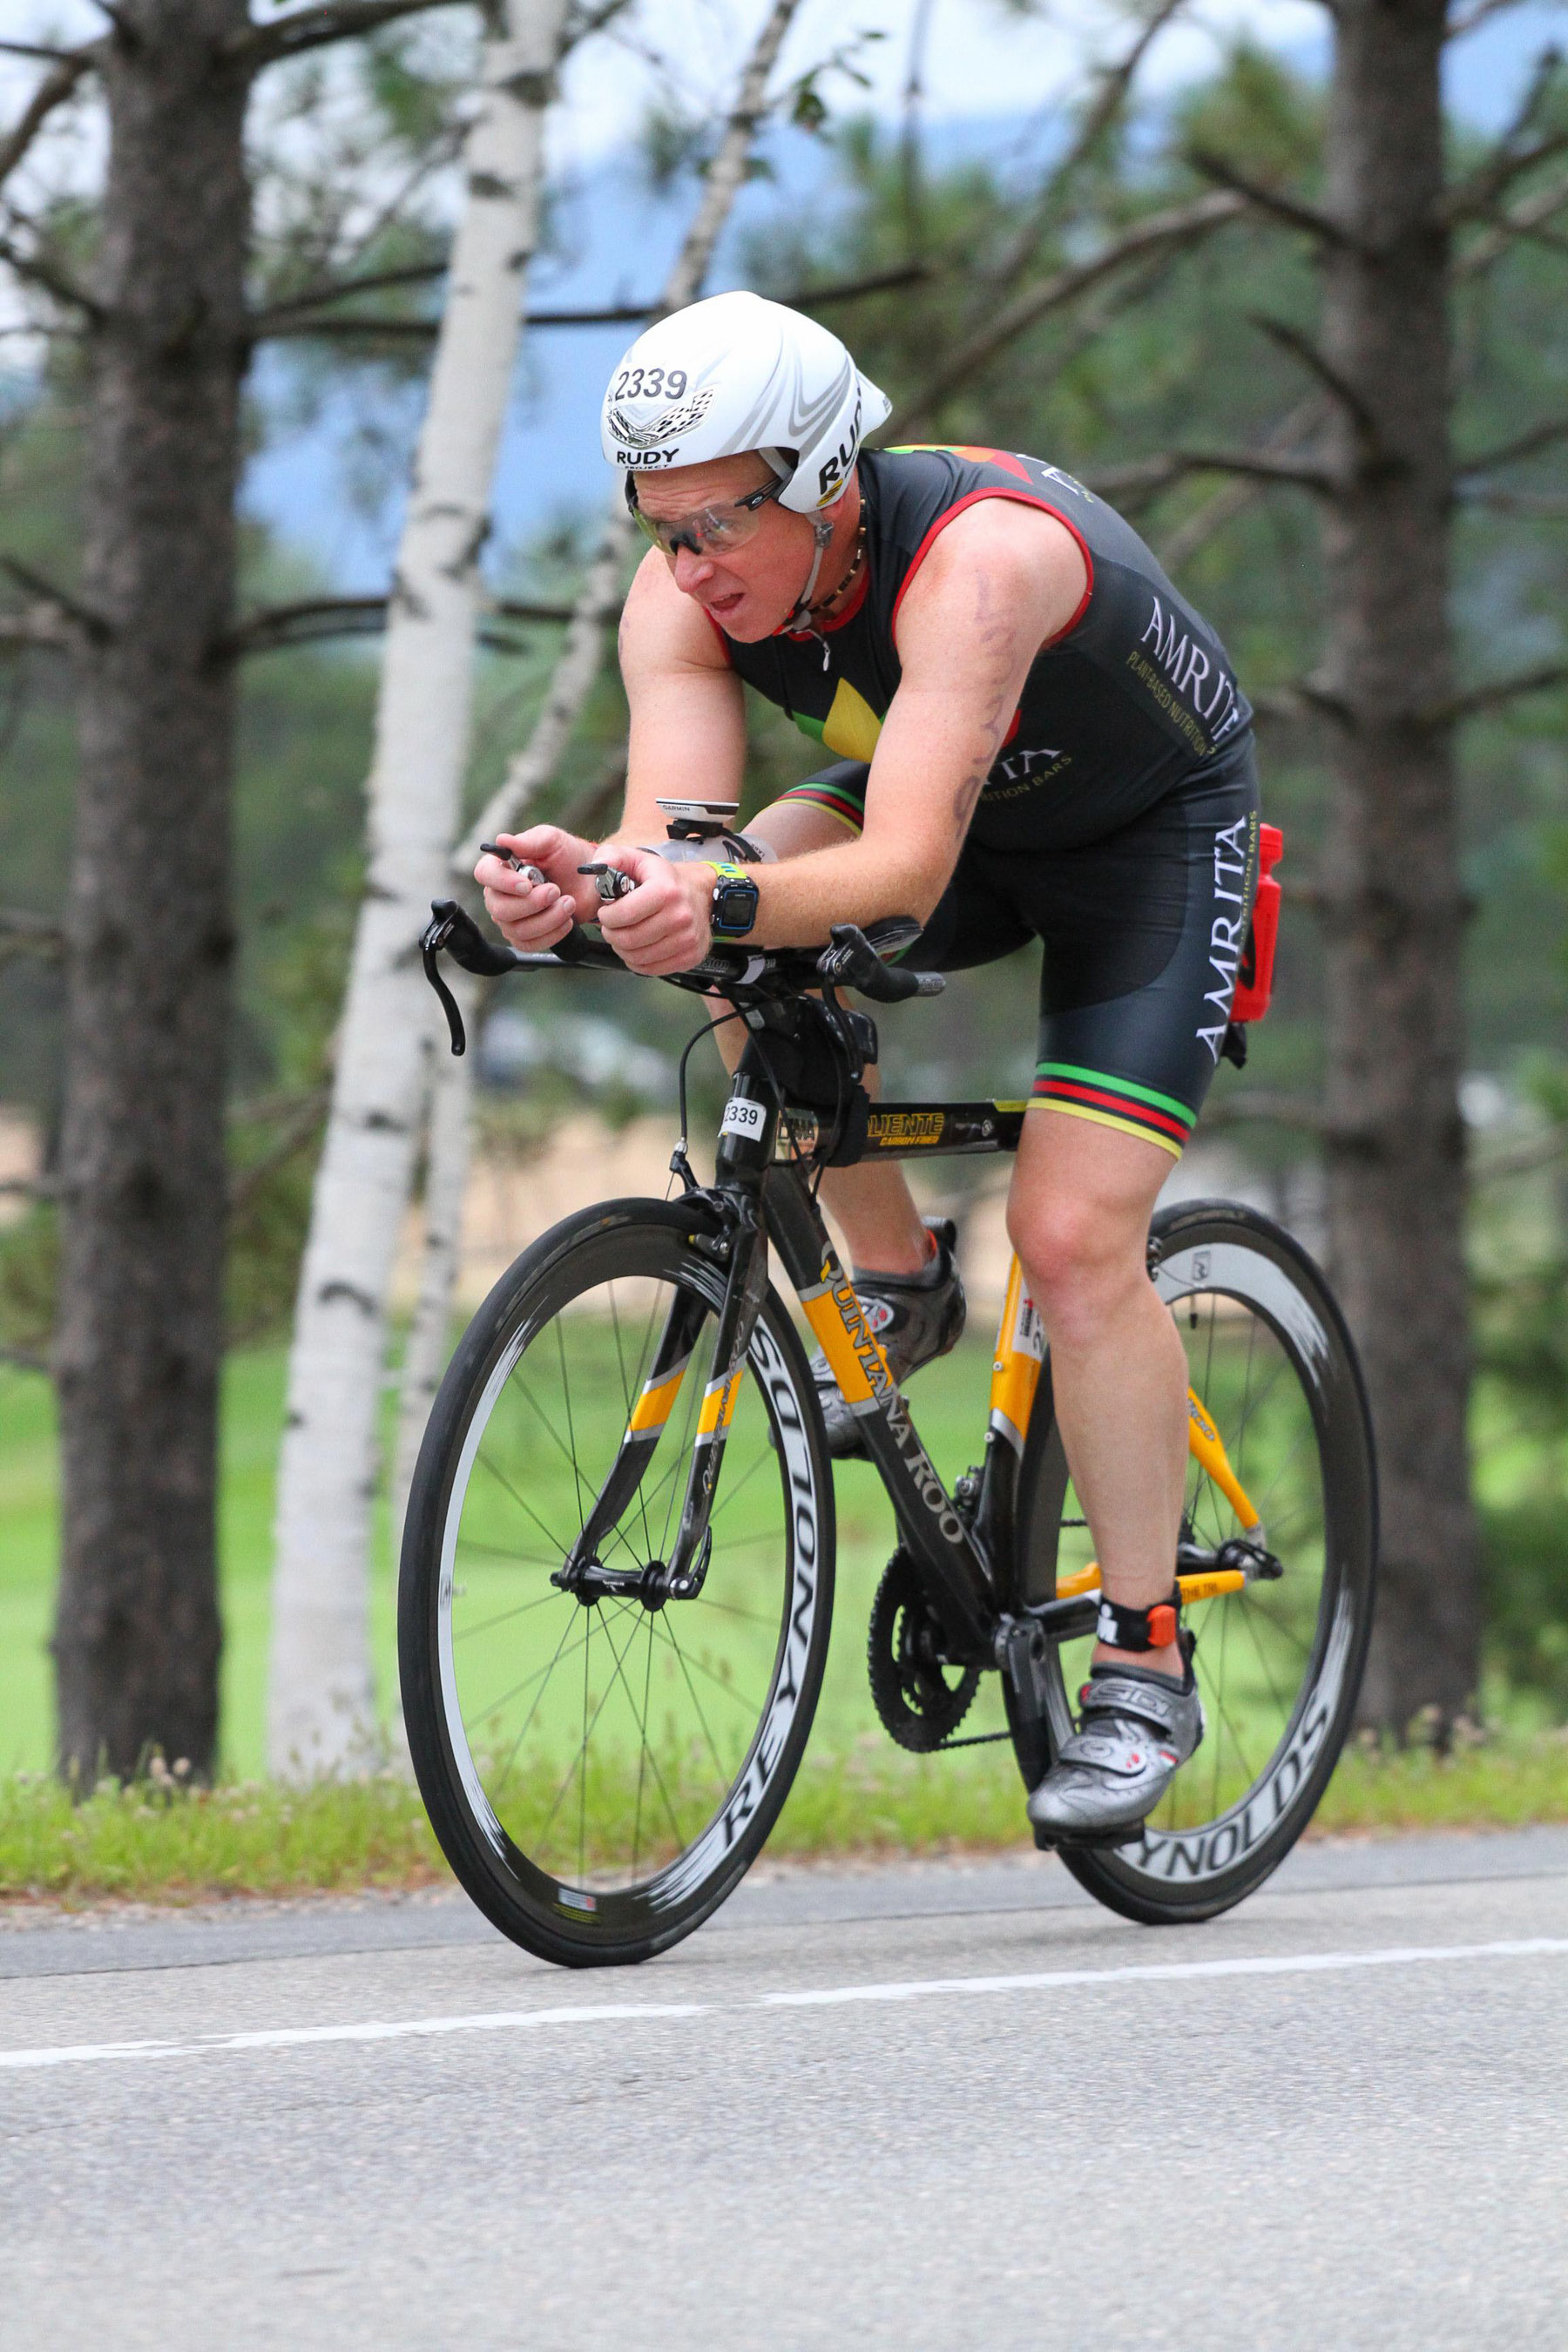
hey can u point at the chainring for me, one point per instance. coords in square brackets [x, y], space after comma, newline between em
[919, 1704]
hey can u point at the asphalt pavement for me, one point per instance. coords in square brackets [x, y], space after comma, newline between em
[939, 2107]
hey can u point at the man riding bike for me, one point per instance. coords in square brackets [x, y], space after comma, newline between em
[1036, 737]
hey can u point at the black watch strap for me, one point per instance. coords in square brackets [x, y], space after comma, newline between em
[733, 906]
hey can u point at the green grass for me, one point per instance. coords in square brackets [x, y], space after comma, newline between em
[857, 1793]
[29, 1539]
[168, 1844]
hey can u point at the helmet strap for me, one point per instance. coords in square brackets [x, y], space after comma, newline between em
[822, 535]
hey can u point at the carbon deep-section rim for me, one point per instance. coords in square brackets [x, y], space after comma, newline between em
[600, 1772]
[1279, 1664]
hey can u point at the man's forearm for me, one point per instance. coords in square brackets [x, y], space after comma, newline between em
[800, 899]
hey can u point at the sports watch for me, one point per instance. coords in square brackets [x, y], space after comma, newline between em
[733, 908]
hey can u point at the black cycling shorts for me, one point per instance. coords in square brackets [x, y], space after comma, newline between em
[1141, 933]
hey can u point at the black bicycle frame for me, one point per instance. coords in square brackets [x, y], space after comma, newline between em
[963, 1556]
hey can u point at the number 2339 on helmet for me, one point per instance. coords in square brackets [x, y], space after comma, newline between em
[736, 374]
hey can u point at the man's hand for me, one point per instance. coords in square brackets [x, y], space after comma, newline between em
[663, 924]
[531, 916]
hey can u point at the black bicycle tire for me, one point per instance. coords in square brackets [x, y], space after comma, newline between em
[487, 1870]
[1121, 1877]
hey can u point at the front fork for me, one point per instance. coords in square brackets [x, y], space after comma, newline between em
[741, 1247]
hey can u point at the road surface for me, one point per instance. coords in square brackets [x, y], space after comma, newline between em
[940, 2107]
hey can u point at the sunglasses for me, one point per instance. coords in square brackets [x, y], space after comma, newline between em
[708, 531]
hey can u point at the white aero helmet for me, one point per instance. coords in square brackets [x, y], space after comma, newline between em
[735, 373]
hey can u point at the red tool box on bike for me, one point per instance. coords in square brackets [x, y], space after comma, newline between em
[1255, 977]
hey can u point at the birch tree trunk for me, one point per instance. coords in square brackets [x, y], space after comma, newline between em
[447, 1154]
[1392, 904]
[572, 682]
[322, 1700]
[577, 665]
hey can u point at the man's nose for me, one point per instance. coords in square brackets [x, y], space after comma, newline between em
[691, 572]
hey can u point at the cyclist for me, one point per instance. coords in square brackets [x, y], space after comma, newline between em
[1036, 737]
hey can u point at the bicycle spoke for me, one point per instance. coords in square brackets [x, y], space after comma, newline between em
[696, 1702]
[489, 1625]
[547, 1533]
[729, 1692]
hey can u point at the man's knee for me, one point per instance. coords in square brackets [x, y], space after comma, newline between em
[1078, 1252]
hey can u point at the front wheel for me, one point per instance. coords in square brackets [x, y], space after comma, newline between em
[601, 1768]
[1280, 1663]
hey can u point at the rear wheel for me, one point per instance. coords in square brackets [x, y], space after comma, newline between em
[601, 1771]
[1280, 1663]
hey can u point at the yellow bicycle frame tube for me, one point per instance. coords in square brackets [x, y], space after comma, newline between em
[1016, 1376]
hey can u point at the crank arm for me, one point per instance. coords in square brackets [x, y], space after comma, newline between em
[1201, 1574]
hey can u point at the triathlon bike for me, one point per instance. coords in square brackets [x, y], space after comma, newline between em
[617, 1570]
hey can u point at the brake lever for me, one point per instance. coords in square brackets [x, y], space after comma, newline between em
[853, 963]
[453, 927]
[609, 881]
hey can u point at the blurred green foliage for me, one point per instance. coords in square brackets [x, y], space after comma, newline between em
[1176, 352]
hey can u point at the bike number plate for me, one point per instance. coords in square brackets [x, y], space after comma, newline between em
[742, 1116]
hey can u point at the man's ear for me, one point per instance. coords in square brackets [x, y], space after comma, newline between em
[835, 513]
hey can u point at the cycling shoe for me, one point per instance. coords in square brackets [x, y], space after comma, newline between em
[916, 1316]
[1135, 1730]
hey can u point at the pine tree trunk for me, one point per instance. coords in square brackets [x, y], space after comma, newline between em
[150, 931]
[322, 1709]
[1393, 906]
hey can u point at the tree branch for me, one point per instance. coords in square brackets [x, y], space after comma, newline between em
[1466, 22]
[1509, 452]
[318, 619]
[52, 92]
[342, 289]
[25, 934]
[21, 1360]
[276, 323]
[1302, 348]
[1490, 697]
[1474, 197]
[312, 28]
[38, 631]
[1224, 505]
[1279, 1109]
[1260, 198]
[299, 1129]
[1288, 705]
[1505, 229]
[81, 622]
[1158, 473]
[581, 25]
[1117, 82]
[1530, 506]
[1179, 224]
[40, 271]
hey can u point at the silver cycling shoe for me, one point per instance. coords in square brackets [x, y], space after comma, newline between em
[916, 1318]
[1136, 1729]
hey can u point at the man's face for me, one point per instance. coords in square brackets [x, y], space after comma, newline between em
[749, 590]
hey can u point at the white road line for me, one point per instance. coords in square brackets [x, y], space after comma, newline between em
[292, 2036]
[1394, 1956]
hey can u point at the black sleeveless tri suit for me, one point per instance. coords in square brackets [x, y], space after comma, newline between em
[1119, 823]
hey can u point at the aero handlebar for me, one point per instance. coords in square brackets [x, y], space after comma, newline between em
[745, 976]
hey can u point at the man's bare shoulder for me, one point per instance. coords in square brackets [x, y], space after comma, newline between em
[662, 629]
[998, 555]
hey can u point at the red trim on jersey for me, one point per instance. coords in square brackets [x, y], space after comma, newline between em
[841, 620]
[972, 497]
